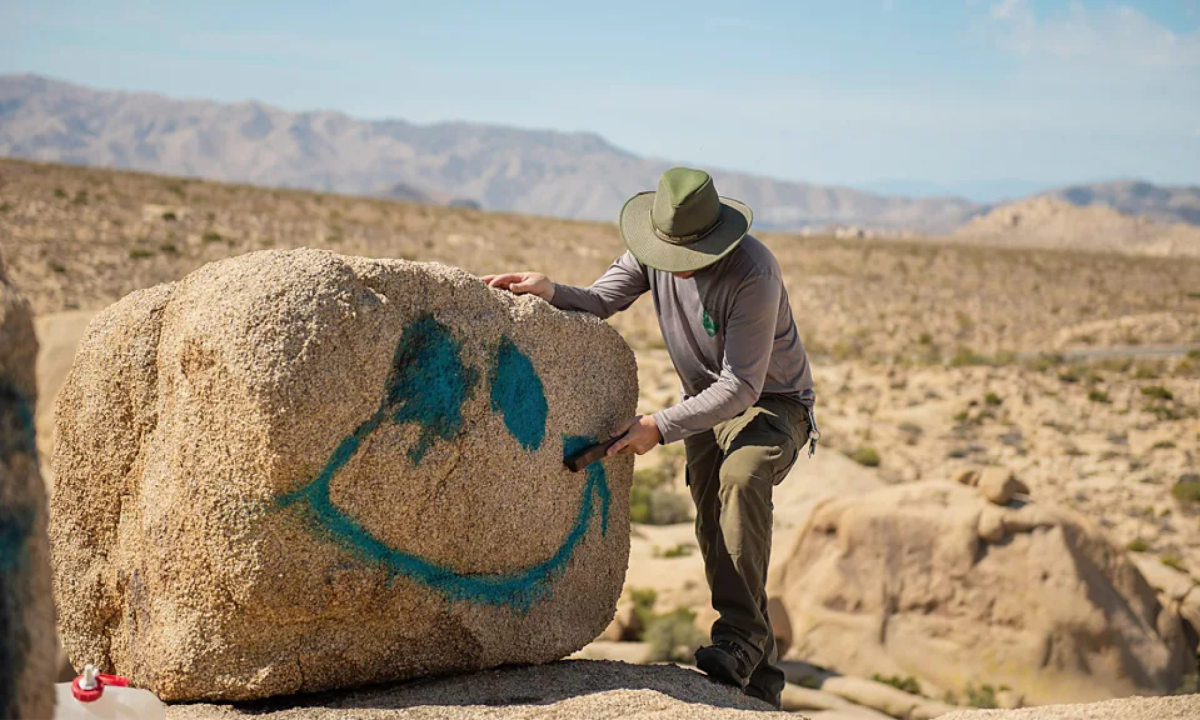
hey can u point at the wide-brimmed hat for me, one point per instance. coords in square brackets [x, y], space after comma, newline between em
[683, 225]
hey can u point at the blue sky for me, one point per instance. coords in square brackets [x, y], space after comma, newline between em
[977, 96]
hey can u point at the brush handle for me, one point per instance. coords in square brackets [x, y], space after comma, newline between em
[589, 455]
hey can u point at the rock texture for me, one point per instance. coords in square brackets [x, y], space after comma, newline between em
[295, 470]
[932, 581]
[1181, 707]
[583, 689]
[27, 639]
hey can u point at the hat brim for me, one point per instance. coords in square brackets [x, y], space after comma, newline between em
[645, 244]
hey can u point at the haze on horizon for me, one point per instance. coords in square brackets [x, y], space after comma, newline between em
[982, 99]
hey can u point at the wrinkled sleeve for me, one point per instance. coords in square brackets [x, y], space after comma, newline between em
[749, 336]
[623, 282]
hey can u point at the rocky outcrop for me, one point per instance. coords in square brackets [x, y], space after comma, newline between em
[296, 471]
[1182, 707]
[933, 581]
[574, 689]
[27, 640]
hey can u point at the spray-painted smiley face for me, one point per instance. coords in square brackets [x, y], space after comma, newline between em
[428, 385]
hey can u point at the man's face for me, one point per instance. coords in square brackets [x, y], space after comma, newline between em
[684, 275]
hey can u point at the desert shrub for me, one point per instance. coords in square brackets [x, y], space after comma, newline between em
[650, 503]
[1044, 361]
[81, 198]
[866, 456]
[984, 697]
[1157, 392]
[643, 603]
[140, 254]
[1187, 490]
[673, 636]
[912, 432]
[60, 193]
[1073, 374]
[1116, 365]
[57, 267]
[1147, 371]
[1173, 561]
[908, 684]
[680, 550]
[1163, 411]
[5, 207]
[1098, 396]
[169, 249]
[211, 237]
[1137, 545]
[966, 357]
[925, 339]
[993, 399]
[169, 216]
[1163, 445]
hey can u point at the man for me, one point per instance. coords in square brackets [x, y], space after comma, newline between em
[747, 407]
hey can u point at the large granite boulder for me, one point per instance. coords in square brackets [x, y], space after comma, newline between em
[295, 471]
[931, 580]
[27, 639]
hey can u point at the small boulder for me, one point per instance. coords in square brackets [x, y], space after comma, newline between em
[991, 524]
[1000, 486]
[28, 643]
[295, 471]
[896, 582]
[968, 477]
[781, 625]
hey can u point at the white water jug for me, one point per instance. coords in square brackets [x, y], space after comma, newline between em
[94, 696]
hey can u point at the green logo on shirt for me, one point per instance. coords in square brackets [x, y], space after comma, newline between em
[710, 327]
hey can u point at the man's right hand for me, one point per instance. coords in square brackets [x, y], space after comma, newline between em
[522, 283]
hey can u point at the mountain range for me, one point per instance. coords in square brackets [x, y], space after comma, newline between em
[538, 172]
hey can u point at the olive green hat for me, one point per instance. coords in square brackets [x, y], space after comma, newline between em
[683, 225]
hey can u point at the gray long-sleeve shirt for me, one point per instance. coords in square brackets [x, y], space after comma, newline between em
[728, 329]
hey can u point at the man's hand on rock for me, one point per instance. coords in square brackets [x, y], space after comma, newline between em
[638, 435]
[522, 283]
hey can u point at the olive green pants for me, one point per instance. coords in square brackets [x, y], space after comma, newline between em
[731, 471]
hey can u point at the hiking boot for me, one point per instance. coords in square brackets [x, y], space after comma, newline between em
[725, 661]
[774, 699]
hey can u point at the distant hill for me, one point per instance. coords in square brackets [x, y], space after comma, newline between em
[1054, 223]
[1133, 197]
[408, 193]
[574, 175]
[538, 172]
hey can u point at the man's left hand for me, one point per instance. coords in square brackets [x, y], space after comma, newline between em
[640, 434]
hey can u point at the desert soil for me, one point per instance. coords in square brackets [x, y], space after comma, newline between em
[929, 358]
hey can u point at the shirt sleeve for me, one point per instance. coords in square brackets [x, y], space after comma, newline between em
[749, 337]
[623, 282]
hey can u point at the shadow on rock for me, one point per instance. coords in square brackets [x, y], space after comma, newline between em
[568, 680]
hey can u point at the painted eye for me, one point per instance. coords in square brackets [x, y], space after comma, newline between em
[429, 384]
[517, 394]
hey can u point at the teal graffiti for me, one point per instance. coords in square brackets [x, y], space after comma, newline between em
[518, 395]
[428, 385]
